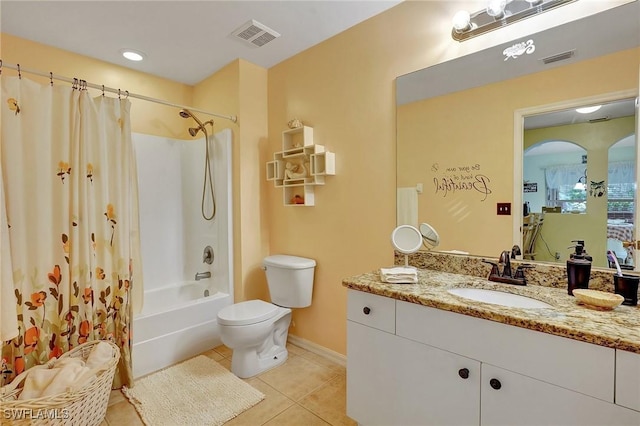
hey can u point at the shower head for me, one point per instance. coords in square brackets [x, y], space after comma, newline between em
[193, 131]
[185, 113]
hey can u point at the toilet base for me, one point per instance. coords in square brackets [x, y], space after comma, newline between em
[247, 363]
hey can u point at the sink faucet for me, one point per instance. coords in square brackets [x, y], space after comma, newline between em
[202, 275]
[507, 276]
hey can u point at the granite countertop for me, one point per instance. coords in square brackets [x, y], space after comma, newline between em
[618, 328]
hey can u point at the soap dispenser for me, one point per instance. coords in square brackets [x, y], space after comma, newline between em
[578, 268]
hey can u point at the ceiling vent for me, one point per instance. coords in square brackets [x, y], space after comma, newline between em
[559, 57]
[254, 34]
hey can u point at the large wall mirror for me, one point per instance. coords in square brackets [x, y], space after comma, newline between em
[488, 130]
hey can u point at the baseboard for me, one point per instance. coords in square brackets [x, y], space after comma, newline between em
[319, 350]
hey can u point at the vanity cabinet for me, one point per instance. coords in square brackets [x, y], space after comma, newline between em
[411, 364]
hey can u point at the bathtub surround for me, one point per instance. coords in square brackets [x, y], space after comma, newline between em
[178, 319]
[72, 212]
[196, 391]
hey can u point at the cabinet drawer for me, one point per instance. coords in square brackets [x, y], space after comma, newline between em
[628, 379]
[579, 366]
[372, 310]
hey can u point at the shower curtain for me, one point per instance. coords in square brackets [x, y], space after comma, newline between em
[70, 193]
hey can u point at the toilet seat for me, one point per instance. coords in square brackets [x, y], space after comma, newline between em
[246, 313]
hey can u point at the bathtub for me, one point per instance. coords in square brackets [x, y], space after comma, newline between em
[180, 323]
[177, 320]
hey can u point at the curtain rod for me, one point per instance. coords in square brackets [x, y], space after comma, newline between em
[103, 88]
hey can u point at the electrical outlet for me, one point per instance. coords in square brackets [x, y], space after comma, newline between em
[504, 209]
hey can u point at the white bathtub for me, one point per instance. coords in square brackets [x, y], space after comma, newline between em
[179, 324]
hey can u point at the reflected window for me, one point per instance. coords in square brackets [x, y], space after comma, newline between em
[559, 166]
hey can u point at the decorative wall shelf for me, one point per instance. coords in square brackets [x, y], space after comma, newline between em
[300, 166]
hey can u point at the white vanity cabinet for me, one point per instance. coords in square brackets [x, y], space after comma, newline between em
[395, 381]
[411, 364]
[628, 379]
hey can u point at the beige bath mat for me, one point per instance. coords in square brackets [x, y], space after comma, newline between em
[198, 391]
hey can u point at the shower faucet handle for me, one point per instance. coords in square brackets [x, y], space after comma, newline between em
[207, 255]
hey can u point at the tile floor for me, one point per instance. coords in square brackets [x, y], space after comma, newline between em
[307, 389]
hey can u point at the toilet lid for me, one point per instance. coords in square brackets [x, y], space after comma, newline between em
[249, 312]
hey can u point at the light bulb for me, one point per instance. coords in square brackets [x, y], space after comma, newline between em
[132, 55]
[462, 21]
[495, 8]
[587, 110]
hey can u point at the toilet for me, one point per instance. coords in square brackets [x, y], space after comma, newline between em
[256, 330]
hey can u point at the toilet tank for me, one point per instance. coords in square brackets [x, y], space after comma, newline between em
[290, 280]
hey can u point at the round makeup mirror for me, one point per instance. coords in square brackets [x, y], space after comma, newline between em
[430, 237]
[406, 239]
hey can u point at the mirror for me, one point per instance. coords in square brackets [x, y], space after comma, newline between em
[430, 237]
[407, 240]
[460, 133]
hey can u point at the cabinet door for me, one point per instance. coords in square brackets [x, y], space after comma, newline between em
[512, 399]
[396, 381]
[628, 379]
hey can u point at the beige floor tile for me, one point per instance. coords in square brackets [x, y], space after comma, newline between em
[319, 359]
[104, 423]
[213, 354]
[296, 416]
[122, 414]
[297, 377]
[330, 402]
[273, 404]
[223, 350]
[295, 350]
[226, 363]
[115, 396]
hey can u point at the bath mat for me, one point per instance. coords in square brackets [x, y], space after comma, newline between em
[198, 391]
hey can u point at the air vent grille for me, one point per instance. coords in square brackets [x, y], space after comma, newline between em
[254, 34]
[559, 57]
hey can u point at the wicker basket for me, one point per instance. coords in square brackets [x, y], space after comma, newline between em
[85, 406]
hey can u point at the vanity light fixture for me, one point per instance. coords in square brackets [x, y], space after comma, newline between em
[497, 14]
[588, 110]
[132, 55]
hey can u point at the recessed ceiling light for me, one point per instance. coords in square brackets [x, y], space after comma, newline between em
[132, 55]
[587, 110]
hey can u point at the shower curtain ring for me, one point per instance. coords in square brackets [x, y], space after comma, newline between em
[51, 78]
[119, 94]
[19, 73]
[74, 86]
[0, 66]
[126, 94]
[103, 90]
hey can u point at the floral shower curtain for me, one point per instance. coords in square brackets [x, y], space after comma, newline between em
[70, 192]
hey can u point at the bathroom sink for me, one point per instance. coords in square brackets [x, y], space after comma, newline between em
[498, 298]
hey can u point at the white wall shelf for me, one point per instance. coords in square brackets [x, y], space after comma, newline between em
[300, 166]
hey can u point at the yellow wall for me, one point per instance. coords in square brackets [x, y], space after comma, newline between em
[146, 117]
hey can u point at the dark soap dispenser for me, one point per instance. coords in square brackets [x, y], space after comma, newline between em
[578, 268]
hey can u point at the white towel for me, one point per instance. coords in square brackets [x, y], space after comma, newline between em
[407, 206]
[399, 275]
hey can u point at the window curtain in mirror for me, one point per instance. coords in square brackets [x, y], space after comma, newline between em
[71, 204]
[564, 174]
[621, 172]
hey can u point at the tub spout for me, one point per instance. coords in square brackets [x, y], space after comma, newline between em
[202, 275]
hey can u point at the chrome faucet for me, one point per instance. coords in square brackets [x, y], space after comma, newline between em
[507, 276]
[202, 275]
